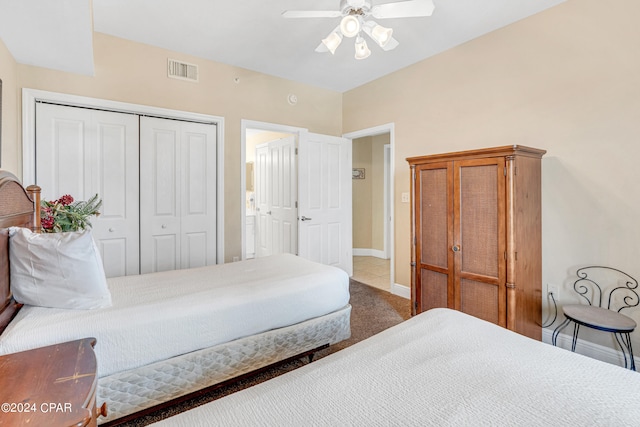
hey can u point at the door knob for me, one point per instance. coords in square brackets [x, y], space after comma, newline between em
[164, 226]
[456, 248]
[304, 218]
[111, 230]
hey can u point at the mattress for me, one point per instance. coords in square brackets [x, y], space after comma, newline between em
[161, 315]
[141, 388]
[441, 367]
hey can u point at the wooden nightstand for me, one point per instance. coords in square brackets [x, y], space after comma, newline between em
[52, 386]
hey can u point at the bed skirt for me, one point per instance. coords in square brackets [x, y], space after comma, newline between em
[138, 389]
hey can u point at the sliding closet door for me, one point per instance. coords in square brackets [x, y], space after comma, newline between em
[83, 152]
[178, 194]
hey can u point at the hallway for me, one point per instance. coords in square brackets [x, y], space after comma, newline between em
[372, 271]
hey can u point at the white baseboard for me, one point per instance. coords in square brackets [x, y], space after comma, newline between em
[586, 348]
[368, 252]
[401, 291]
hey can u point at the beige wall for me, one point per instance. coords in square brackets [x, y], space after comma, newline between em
[368, 193]
[10, 125]
[361, 193]
[377, 191]
[254, 139]
[136, 73]
[566, 80]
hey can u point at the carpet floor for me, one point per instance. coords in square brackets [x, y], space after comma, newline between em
[373, 310]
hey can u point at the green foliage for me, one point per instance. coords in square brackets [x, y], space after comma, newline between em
[66, 215]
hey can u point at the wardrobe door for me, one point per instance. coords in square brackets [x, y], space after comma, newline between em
[83, 152]
[178, 194]
[479, 238]
[434, 234]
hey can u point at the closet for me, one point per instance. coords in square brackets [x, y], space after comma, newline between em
[155, 176]
[177, 194]
[476, 235]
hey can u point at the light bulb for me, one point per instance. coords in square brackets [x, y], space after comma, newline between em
[332, 42]
[362, 50]
[381, 35]
[350, 26]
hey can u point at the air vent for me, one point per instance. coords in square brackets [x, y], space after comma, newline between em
[182, 70]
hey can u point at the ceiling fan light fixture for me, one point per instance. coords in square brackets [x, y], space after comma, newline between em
[362, 50]
[332, 41]
[350, 26]
[381, 35]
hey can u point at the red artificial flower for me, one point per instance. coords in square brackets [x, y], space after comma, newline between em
[65, 200]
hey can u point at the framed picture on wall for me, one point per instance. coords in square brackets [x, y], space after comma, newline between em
[358, 173]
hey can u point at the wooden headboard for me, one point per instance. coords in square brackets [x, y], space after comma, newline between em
[18, 208]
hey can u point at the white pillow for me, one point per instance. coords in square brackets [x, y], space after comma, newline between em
[61, 270]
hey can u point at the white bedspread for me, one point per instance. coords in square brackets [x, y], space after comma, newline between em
[161, 315]
[439, 368]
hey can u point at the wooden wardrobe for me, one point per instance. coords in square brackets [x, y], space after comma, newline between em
[476, 235]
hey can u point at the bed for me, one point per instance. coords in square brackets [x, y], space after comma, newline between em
[169, 335]
[441, 367]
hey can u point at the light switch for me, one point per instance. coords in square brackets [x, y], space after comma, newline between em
[405, 197]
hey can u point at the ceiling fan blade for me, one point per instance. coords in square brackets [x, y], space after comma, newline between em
[311, 14]
[403, 9]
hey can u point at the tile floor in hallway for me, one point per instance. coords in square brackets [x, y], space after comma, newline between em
[372, 271]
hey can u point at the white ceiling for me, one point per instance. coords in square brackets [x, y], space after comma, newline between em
[246, 33]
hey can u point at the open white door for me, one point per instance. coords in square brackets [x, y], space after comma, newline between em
[324, 225]
[276, 196]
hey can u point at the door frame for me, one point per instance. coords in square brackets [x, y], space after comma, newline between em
[387, 200]
[271, 127]
[31, 96]
[396, 289]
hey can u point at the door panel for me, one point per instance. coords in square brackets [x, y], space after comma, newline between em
[434, 291]
[263, 220]
[177, 180]
[480, 300]
[84, 152]
[159, 183]
[479, 219]
[276, 195]
[325, 200]
[434, 187]
[480, 232]
[198, 195]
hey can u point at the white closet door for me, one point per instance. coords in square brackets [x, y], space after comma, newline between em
[178, 194]
[83, 152]
[198, 201]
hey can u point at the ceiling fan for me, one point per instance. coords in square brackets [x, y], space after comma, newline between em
[355, 19]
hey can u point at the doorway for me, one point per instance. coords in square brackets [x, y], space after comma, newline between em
[323, 210]
[373, 241]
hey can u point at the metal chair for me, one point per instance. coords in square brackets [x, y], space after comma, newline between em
[619, 295]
